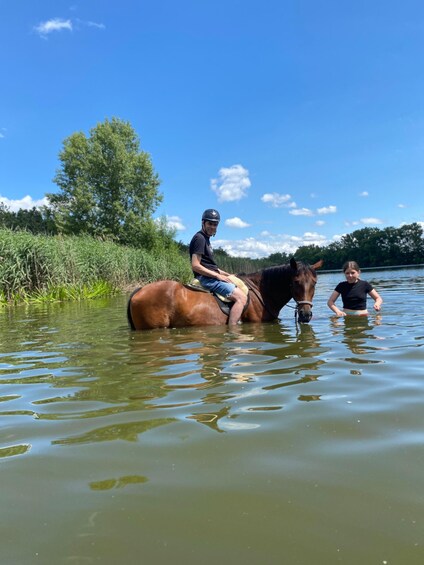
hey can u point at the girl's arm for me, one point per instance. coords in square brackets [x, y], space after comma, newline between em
[378, 301]
[332, 306]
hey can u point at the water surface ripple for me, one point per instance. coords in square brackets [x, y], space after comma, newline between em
[271, 443]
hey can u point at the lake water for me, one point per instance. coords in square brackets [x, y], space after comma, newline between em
[267, 445]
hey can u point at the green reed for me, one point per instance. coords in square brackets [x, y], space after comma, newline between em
[44, 268]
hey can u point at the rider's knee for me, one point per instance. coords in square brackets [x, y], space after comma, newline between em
[239, 296]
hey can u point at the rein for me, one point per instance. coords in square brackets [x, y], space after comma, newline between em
[251, 286]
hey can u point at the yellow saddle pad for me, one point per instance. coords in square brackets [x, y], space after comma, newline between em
[195, 283]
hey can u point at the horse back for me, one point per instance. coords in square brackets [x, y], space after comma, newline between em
[165, 304]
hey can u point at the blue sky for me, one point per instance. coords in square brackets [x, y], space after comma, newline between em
[299, 121]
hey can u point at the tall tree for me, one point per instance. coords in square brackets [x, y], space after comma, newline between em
[108, 186]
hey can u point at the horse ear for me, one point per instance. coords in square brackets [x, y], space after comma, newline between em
[318, 264]
[293, 264]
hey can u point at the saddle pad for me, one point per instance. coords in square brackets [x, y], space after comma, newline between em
[195, 284]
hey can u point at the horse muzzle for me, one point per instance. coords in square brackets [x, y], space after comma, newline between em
[304, 311]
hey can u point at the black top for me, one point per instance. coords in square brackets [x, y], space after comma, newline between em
[354, 296]
[200, 245]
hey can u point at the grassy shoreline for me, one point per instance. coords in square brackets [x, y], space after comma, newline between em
[41, 268]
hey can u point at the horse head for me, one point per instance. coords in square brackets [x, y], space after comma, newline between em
[302, 285]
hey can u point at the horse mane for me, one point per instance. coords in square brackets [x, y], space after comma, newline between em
[276, 272]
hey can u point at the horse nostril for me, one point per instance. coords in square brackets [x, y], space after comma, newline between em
[305, 317]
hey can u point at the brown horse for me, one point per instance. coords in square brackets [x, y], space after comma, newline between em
[169, 304]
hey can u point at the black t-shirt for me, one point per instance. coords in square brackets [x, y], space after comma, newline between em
[200, 245]
[354, 296]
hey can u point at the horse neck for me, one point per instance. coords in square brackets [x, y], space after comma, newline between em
[274, 286]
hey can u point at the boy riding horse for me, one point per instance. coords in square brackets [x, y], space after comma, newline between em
[206, 270]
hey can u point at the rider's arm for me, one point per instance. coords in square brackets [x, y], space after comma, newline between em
[201, 270]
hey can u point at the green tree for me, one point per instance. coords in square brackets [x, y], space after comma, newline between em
[411, 244]
[108, 186]
[373, 247]
[309, 253]
[35, 220]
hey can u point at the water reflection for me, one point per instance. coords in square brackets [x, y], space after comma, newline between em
[13, 450]
[109, 383]
[122, 431]
[159, 443]
[137, 382]
[120, 482]
[233, 370]
[356, 332]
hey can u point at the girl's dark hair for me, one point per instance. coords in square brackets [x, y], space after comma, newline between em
[351, 265]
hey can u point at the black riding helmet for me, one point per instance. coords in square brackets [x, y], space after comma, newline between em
[211, 215]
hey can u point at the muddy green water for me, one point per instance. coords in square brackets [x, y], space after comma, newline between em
[273, 444]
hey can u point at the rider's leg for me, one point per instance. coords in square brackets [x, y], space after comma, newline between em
[236, 311]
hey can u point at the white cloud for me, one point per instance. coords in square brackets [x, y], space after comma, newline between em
[236, 223]
[276, 200]
[327, 210]
[283, 243]
[59, 24]
[251, 247]
[372, 221]
[93, 24]
[232, 184]
[313, 238]
[55, 24]
[175, 222]
[301, 212]
[26, 203]
[319, 223]
[401, 206]
[364, 193]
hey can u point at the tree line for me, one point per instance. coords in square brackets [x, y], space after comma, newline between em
[369, 247]
[109, 190]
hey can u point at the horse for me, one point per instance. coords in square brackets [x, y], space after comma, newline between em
[170, 304]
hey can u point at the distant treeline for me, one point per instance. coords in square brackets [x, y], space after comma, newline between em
[36, 266]
[369, 247]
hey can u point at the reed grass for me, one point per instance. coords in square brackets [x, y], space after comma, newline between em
[36, 268]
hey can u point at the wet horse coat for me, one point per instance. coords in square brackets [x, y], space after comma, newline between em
[169, 304]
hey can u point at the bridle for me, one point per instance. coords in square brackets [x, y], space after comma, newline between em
[299, 303]
[296, 308]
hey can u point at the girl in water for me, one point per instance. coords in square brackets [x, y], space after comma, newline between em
[354, 293]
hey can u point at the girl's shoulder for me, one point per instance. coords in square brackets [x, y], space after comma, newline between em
[368, 286]
[341, 285]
